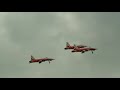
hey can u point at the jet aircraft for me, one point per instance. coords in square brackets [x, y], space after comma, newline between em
[68, 46]
[82, 50]
[33, 60]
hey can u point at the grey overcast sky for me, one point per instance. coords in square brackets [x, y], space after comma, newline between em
[44, 34]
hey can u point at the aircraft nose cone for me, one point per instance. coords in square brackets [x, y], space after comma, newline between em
[52, 59]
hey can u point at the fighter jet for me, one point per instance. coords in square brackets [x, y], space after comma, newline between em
[33, 60]
[68, 46]
[82, 50]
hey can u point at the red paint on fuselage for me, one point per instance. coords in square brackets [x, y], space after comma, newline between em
[35, 60]
[41, 60]
[69, 47]
[72, 47]
[83, 49]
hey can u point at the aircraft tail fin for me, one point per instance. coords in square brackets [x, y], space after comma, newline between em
[67, 44]
[75, 47]
[32, 57]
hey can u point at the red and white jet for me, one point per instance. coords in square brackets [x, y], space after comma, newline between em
[82, 50]
[68, 46]
[33, 60]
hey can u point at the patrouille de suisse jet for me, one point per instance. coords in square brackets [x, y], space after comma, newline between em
[40, 60]
[68, 46]
[82, 50]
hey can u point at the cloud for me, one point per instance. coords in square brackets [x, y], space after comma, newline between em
[44, 34]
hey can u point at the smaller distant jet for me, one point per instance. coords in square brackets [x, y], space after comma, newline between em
[33, 60]
[68, 46]
[82, 50]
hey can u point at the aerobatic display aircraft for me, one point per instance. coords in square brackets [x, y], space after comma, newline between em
[82, 50]
[33, 60]
[68, 46]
